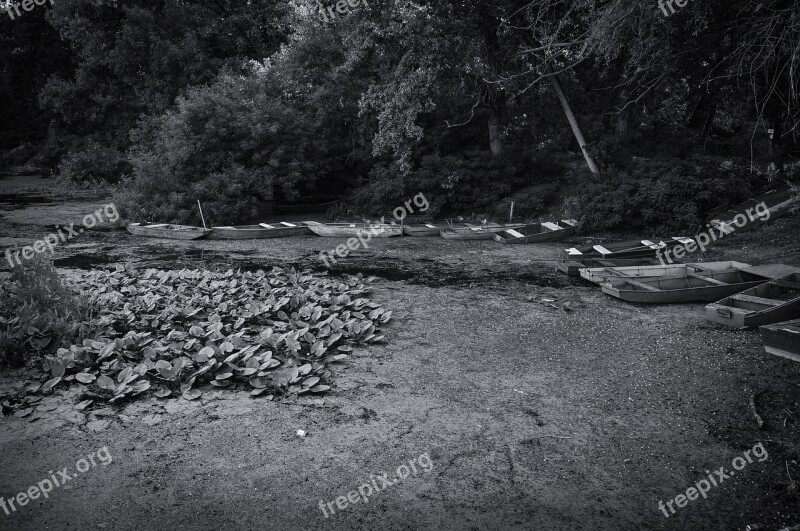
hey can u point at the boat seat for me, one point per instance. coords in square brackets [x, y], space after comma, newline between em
[641, 285]
[707, 279]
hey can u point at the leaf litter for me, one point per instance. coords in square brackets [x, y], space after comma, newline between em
[168, 333]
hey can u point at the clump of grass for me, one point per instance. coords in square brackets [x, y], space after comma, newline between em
[38, 313]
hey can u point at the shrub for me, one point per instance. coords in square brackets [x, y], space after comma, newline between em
[93, 165]
[227, 145]
[473, 182]
[37, 312]
[656, 195]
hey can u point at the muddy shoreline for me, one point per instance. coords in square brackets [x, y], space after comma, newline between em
[542, 403]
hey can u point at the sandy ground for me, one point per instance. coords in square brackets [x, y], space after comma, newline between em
[533, 416]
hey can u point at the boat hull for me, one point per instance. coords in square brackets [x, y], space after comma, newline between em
[425, 229]
[782, 339]
[537, 233]
[257, 232]
[778, 201]
[573, 267]
[629, 249]
[477, 232]
[354, 230]
[169, 232]
[693, 287]
[768, 303]
[600, 275]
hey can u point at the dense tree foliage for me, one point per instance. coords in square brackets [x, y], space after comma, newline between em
[474, 103]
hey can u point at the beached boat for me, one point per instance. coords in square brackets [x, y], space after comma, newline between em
[354, 230]
[768, 303]
[168, 231]
[477, 232]
[628, 249]
[429, 229]
[782, 339]
[538, 232]
[694, 287]
[573, 267]
[262, 230]
[599, 275]
[778, 202]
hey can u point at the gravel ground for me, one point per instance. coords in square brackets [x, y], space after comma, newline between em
[540, 402]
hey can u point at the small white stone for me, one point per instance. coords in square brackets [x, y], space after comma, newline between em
[301, 433]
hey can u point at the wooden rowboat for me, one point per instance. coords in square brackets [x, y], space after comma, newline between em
[573, 267]
[262, 230]
[779, 201]
[477, 232]
[168, 231]
[629, 249]
[538, 232]
[354, 230]
[428, 229]
[782, 339]
[770, 302]
[599, 275]
[694, 287]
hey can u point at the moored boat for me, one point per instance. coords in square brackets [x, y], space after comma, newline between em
[773, 204]
[260, 231]
[350, 230]
[427, 229]
[477, 232]
[782, 339]
[767, 303]
[168, 231]
[599, 275]
[573, 267]
[694, 287]
[627, 249]
[537, 232]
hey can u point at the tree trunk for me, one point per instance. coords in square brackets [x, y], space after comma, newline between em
[494, 96]
[573, 122]
[777, 147]
[497, 113]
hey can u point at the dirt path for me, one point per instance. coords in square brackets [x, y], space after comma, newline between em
[533, 417]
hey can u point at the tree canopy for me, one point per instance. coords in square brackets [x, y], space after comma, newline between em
[234, 101]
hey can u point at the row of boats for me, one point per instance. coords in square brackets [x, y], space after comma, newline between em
[501, 232]
[739, 295]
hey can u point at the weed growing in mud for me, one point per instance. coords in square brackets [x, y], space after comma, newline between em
[37, 311]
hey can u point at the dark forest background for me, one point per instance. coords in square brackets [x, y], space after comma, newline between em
[608, 111]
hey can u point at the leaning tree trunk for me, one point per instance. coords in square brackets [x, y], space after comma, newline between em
[495, 96]
[573, 122]
[497, 112]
